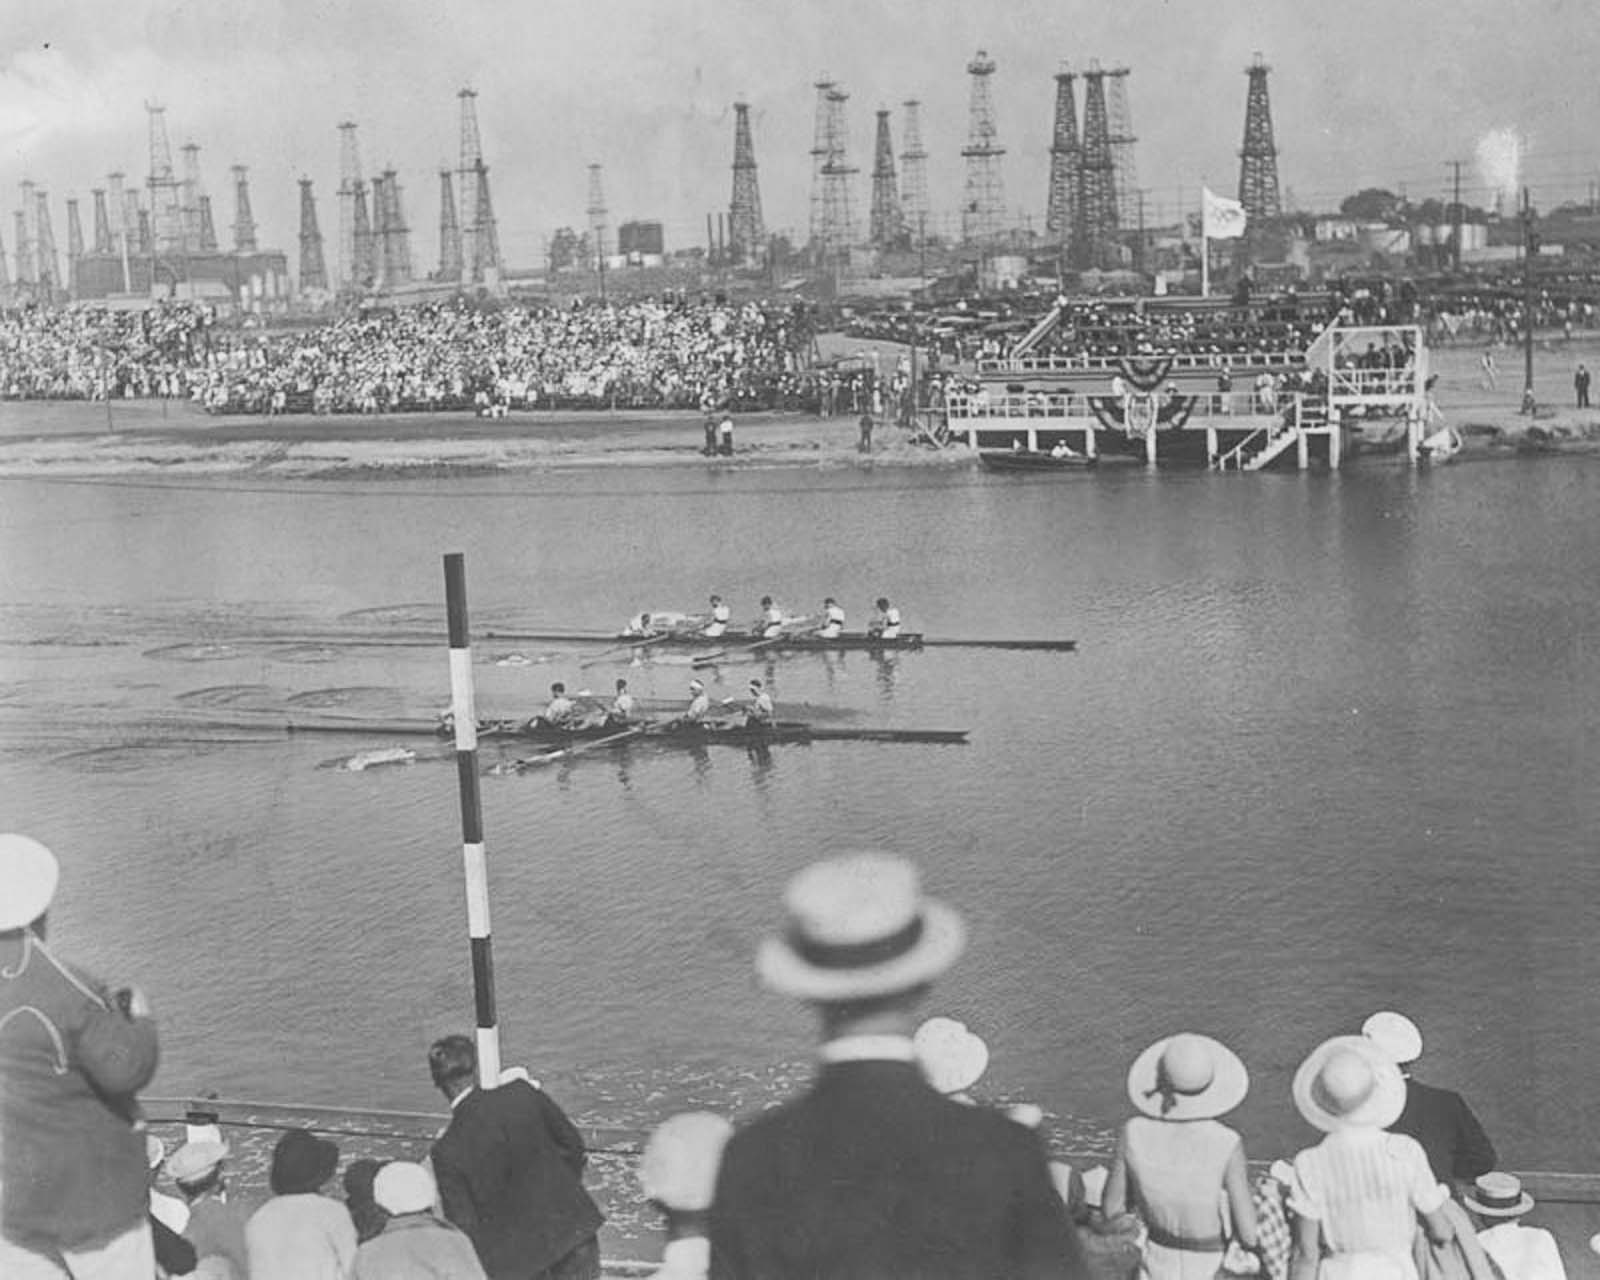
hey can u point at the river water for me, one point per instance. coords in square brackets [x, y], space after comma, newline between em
[1328, 744]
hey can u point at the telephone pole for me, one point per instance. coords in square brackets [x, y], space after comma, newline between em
[1455, 218]
[1530, 250]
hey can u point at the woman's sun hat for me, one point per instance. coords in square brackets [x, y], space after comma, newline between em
[404, 1187]
[1498, 1195]
[679, 1167]
[1187, 1077]
[952, 1057]
[1395, 1034]
[1349, 1082]
[859, 927]
[28, 876]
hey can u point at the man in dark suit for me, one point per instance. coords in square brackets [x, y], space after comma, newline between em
[1458, 1150]
[509, 1169]
[873, 1174]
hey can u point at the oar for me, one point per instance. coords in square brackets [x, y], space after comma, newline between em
[639, 643]
[579, 748]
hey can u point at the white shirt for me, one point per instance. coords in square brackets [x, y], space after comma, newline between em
[877, 1048]
[698, 706]
[1524, 1253]
[686, 1259]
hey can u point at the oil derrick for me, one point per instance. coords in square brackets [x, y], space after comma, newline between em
[24, 273]
[488, 237]
[244, 222]
[356, 258]
[838, 213]
[914, 172]
[313, 269]
[378, 236]
[983, 208]
[121, 227]
[886, 228]
[27, 253]
[745, 227]
[74, 245]
[480, 241]
[597, 218]
[103, 243]
[189, 195]
[395, 240]
[208, 226]
[1094, 240]
[819, 161]
[449, 232]
[166, 207]
[1119, 127]
[1061, 208]
[49, 276]
[1258, 165]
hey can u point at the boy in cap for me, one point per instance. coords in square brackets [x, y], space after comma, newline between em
[414, 1244]
[1498, 1203]
[216, 1226]
[873, 1172]
[679, 1173]
[73, 1057]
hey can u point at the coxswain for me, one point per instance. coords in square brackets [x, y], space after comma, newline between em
[699, 705]
[758, 712]
[720, 615]
[657, 622]
[771, 621]
[638, 625]
[832, 620]
[622, 706]
[561, 712]
[886, 626]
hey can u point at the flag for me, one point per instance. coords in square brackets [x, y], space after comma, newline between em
[1221, 218]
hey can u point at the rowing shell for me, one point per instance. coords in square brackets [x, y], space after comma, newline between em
[676, 733]
[798, 640]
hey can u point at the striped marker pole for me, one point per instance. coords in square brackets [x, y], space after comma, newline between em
[464, 710]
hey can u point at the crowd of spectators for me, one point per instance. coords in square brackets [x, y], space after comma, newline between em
[887, 1165]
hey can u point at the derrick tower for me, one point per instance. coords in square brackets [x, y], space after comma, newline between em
[103, 243]
[1258, 157]
[1061, 208]
[838, 179]
[819, 160]
[480, 241]
[313, 269]
[488, 240]
[356, 259]
[394, 236]
[24, 276]
[449, 232]
[887, 227]
[597, 217]
[746, 229]
[74, 245]
[122, 223]
[1095, 234]
[189, 195]
[913, 171]
[166, 201]
[49, 275]
[208, 226]
[983, 208]
[27, 250]
[1119, 128]
[244, 222]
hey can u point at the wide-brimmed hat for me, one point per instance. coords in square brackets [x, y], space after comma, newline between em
[680, 1161]
[1498, 1195]
[195, 1161]
[859, 927]
[1348, 1082]
[1395, 1034]
[404, 1187]
[952, 1057]
[1187, 1077]
[28, 876]
[302, 1162]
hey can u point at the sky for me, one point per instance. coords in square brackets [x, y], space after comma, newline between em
[1364, 92]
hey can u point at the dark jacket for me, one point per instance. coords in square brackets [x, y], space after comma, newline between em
[71, 1062]
[875, 1175]
[1455, 1143]
[510, 1170]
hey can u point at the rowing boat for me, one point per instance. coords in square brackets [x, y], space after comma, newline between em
[671, 732]
[1034, 460]
[799, 640]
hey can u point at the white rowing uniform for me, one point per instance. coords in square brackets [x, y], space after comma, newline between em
[887, 624]
[621, 708]
[759, 710]
[720, 615]
[771, 622]
[832, 622]
[699, 707]
[561, 711]
[654, 623]
[641, 624]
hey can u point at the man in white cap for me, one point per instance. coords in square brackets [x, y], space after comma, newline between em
[1497, 1202]
[873, 1173]
[699, 704]
[216, 1225]
[1458, 1150]
[678, 1173]
[414, 1244]
[73, 1056]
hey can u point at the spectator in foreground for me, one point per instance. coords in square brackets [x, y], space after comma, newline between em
[510, 1169]
[1359, 1192]
[301, 1234]
[413, 1245]
[366, 1214]
[1177, 1164]
[679, 1173]
[1498, 1203]
[216, 1226]
[872, 1173]
[73, 1057]
[1457, 1148]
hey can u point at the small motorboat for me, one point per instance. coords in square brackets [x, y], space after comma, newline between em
[1034, 460]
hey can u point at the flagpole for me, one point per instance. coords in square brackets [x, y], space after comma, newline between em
[1205, 249]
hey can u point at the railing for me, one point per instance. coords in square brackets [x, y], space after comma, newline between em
[1185, 361]
[1389, 384]
[1011, 406]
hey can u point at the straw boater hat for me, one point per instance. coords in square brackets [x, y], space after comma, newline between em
[404, 1187]
[859, 927]
[195, 1161]
[1395, 1034]
[1348, 1082]
[680, 1162]
[1498, 1195]
[28, 875]
[953, 1058]
[1187, 1077]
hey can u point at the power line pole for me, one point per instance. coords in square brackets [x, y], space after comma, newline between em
[1530, 250]
[1455, 217]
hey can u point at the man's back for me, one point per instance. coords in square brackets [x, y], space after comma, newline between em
[1455, 1143]
[509, 1169]
[873, 1174]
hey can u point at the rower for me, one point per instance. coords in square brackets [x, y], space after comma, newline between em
[622, 706]
[720, 614]
[759, 712]
[699, 705]
[561, 712]
[638, 625]
[886, 626]
[771, 621]
[832, 620]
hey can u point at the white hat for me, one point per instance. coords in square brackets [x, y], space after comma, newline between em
[404, 1187]
[1395, 1034]
[155, 1150]
[859, 927]
[28, 876]
[953, 1058]
[696, 685]
[1187, 1077]
[680, 1161]
[1498, 1195]
[1348, 1082]
[194, 1161]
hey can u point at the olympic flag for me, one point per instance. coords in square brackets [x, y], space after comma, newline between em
[1221, 218]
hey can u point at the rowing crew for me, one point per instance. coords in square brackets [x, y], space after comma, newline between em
[759, 712]
[563, 711]
[773, 622]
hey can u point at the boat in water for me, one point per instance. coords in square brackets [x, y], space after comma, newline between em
[1034, 460]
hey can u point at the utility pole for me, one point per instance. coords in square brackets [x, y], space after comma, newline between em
[1455, 218]
[1530, 250]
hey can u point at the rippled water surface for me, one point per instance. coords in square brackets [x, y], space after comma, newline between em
[1328, 744]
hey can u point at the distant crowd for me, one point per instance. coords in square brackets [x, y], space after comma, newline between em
[887, 1165]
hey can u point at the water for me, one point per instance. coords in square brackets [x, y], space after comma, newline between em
[1328, 745]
